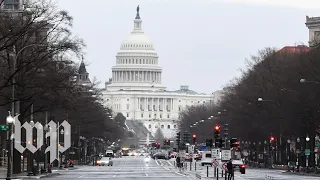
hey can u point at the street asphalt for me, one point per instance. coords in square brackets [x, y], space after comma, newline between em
[136, 168]
[123, 168]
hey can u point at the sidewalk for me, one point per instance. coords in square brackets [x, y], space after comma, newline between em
[302, 174]
[24, 175]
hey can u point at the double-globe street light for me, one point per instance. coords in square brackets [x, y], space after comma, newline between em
[10, 120]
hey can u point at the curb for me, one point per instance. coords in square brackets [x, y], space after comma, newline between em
[36, 177]
[302, 174]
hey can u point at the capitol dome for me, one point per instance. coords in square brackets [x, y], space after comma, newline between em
[136, 63]
[137, 40]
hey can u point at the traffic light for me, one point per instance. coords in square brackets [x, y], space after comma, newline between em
[186, 137]
[178, 139]
[222, 143]
[272, 139]
[158, 145]
[273, 142]
[194, 137]
[217, 142]
[216, 131]
[234, 142]
[167, 142]
[209, 143]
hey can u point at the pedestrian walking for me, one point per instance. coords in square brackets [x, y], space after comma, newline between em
[230, 170]
[178, 162]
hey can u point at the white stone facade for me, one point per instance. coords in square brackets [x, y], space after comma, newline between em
[313, 24]
[136, 89]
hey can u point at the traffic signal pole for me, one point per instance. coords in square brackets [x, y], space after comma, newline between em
[226, 134]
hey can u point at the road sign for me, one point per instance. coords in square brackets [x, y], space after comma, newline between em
[182, 153]
[215, 163]
[307, 152]
[4, 127]
[224, 166]
[225, 155]
[215, 153]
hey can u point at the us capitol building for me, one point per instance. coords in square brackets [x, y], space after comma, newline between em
[136, 88]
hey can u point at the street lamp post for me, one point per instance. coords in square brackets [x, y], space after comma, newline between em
[10, 120]
[307, 155]
[298, 142]
[30, 161]
[288, 153]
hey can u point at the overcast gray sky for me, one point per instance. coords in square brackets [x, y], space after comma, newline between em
[200, 43]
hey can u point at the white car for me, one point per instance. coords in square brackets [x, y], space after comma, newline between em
[105, 161]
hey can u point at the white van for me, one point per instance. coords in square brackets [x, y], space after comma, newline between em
[206, 158]
[109, 153]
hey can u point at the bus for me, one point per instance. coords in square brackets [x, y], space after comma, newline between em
[125, 151]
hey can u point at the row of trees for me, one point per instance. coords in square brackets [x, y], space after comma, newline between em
[37, 77]
[269, 98]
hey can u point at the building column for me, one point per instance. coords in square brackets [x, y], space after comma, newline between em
[134, 76]
[152, 103]
[158, 108]
[172, 102]
[127, 76]
[164, 104]
[146, 104]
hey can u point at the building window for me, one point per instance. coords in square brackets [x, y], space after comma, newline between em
[148, 107]
[168, 126]
[80, 77]
[107, 100]
[204, 102]
[179, 100]
[141, 107]
[156, 126]
[168, 116]
[154, 107]
[149, 115]
[160, 115]
[127, 114]
[179, 108]
[159, 107]
[162, 126]
[198, 101]
[155, 116]
[128, 106]
[127, 99]
[142, 115]
[149, 126]
[175, 126]
[167, 107]
[191, 101]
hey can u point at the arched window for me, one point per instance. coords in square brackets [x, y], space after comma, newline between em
[168, 126]
[175, 126]
[149, 126]
[162, 126]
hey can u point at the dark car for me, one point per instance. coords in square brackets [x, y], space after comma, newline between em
[159, 156]
[238, 164]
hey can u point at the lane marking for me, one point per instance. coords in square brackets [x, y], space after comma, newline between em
[146, 174]
[80, 176]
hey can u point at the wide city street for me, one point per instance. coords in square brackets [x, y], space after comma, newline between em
[137, 168]
[123, 168]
